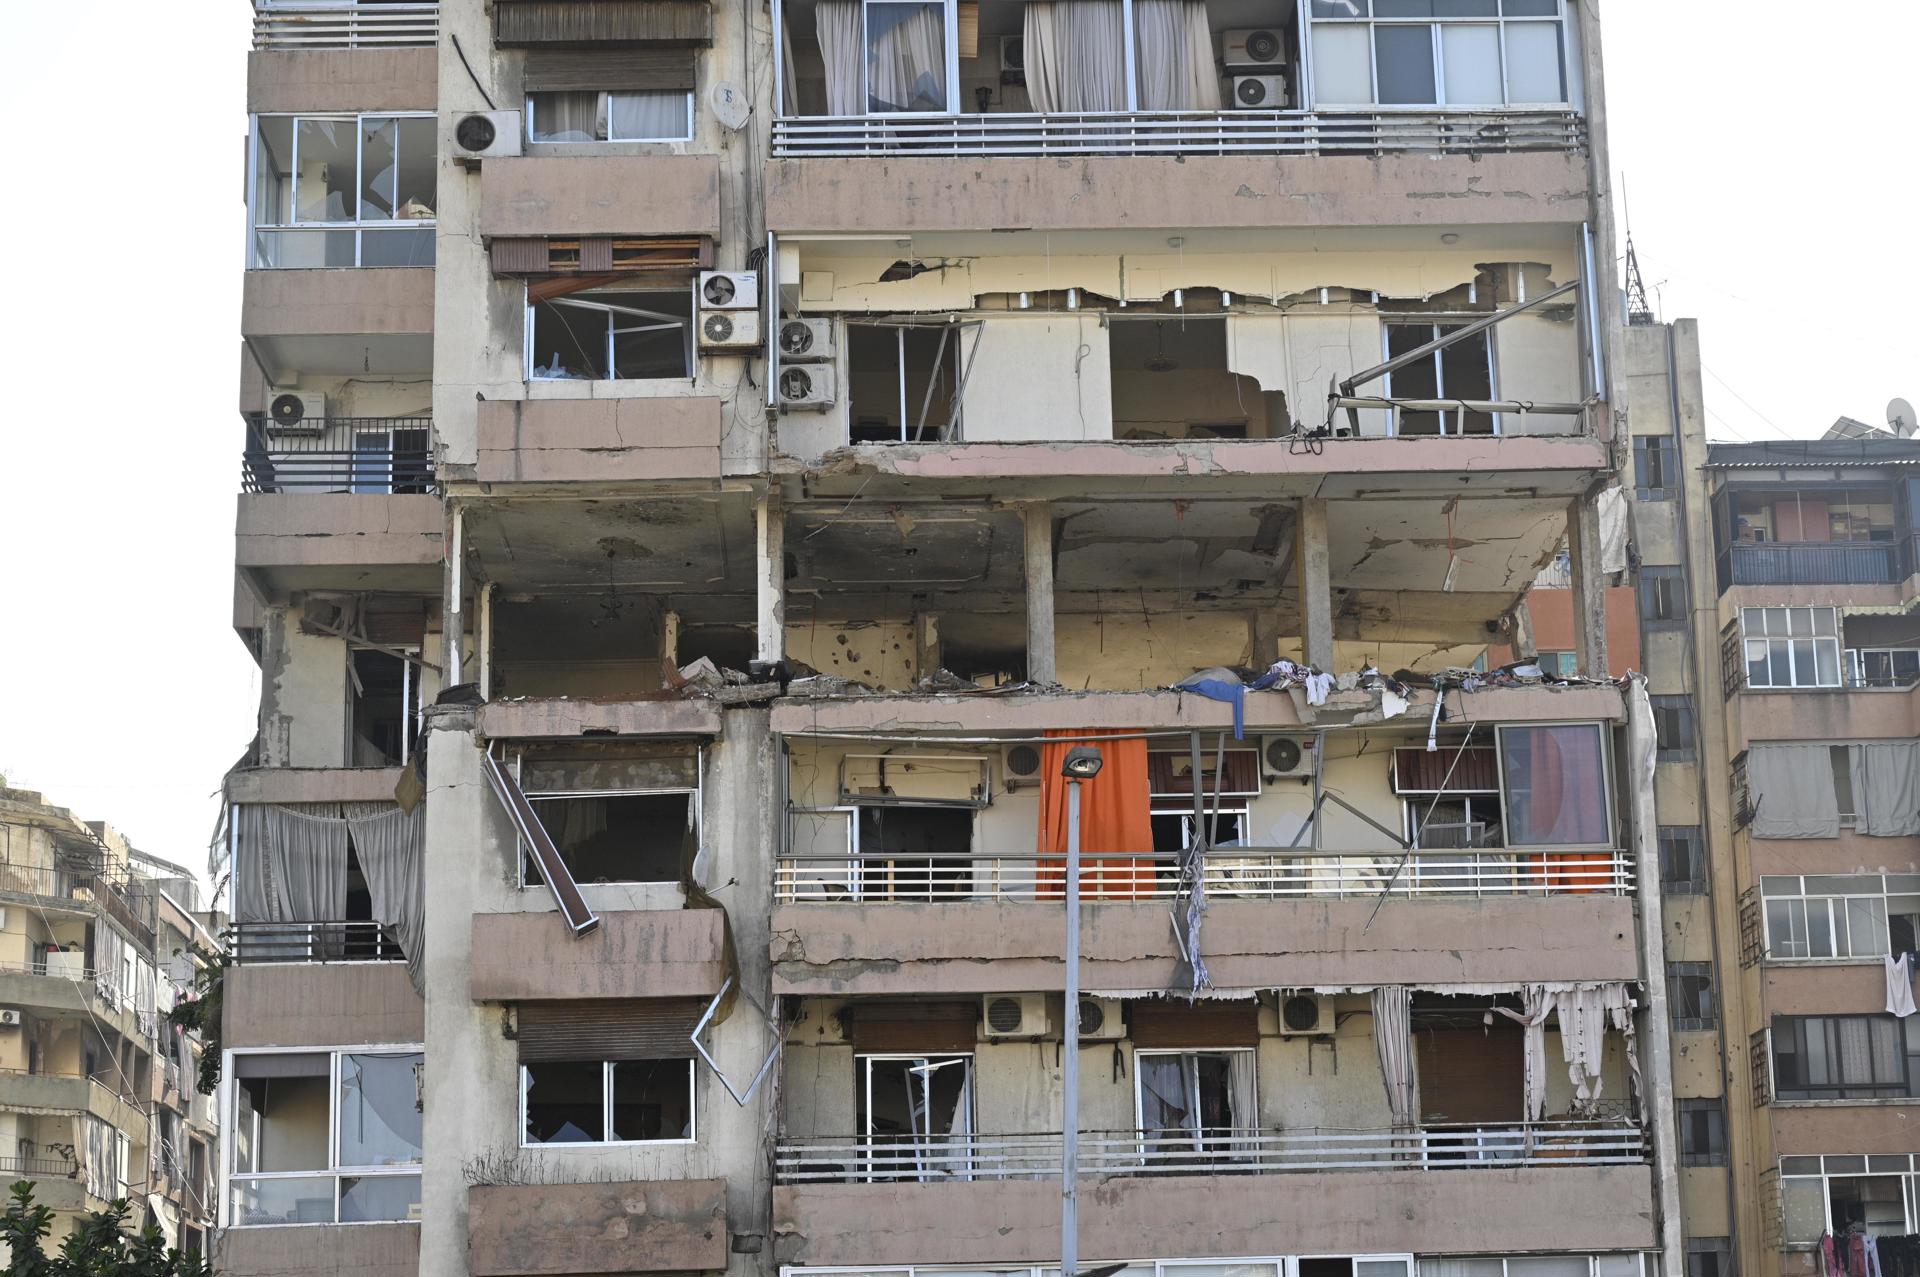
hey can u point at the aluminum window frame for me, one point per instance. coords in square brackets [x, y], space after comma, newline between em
[1610, 800]
[1389, 322]
[1905, 1087]
[1666, 452]
[357, 224]
[863, 1062]
[1251, 1120]
[607, 96]
[1563, 19]
[950, 58]
[606, 1108]
[227, 1102]
[1765, 639]
[1881, 887]
[583, 301]
[1710, 1156]
[1828, 1171]
[1709, 1002]
[549, 795]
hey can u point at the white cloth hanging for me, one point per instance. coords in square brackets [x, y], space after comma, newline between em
[1900, 985]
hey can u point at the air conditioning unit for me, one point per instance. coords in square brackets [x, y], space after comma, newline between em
[1013, 56]
[729, 290]
[730, 330]
[9, 1018]
[806, 387]
[487, 135]
[1013, 1015]
[1102, 1020]
[1287, 756]
[1257, 47]
[1022, 763]
[805, 341]
[1306, 1015]
[1259, 92]
[291, 412]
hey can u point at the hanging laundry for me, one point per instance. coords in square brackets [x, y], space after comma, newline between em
[1318, 685]
[1221, 684]
[1900, 985]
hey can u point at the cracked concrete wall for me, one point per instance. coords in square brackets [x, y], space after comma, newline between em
[599, 440]
[303, 695]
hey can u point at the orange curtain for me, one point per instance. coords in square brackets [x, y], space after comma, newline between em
[1115, 815]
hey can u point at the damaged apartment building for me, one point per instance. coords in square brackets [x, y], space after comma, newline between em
[707, 466]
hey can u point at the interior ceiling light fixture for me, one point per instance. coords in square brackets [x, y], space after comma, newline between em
[1160, 361]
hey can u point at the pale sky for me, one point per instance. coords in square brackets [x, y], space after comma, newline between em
[1770, 151]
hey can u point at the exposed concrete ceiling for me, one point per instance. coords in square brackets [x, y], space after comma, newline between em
[661, 544]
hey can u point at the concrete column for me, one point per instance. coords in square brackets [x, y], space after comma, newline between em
[1589, 587]
[453, 610]
[669, 644]
[1310, 567]
[770, 622]
[1038, 518]
[1525, 646]
[484, 657]
[926, 643]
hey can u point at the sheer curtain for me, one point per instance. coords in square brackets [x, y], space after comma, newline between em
[1886, 787]
[837, 25]
[1393, 1041]
[907, 57]
[391, 844]
[1076, 55]
[292, 866]
[642, 117]
[568, 117]
[1173, 47]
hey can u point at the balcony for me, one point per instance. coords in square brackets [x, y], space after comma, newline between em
[518, 1229]
[365, 1250]
[1184, 133]
[252, 942]
[298, 1003]
[1812, 563]
[344, 26]
[855, 1159]
[339, 454]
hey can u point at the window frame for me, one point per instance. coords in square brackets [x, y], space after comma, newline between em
[1693, 839]
[548, 795]
[1200, 1139]
[1647, 582]
[607, 106]
[229, 1146]
[606, 1107]
[582, 301]
[1909, 1176]
[1709, 1003]
[1434, 323]
[256, 260]
[1683, 1108]
[1879, 887]
[1906, 1087]
[1765, 640]
[1667, 455]
[1499, 20]
[963, 355]
[1682, 706]
[1609, 799]
[863, 1062]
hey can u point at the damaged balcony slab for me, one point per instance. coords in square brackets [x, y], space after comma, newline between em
[312, 784]
[343, 322]
[593, 195]
[829, 195]
[364, 1250]
[1031, 713]
[538, 718]
[1558, 1208]
[363, 80]
[968, 947]
[1524, 464]
[633, 953]
[321, 1004]
[340, 541]
[651, 440]
[655, 1226]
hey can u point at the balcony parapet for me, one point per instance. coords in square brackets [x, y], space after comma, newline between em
[297, 26]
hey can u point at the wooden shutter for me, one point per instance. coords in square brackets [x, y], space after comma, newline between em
[1204, 1024]
[1471, 1075]
[596, 71]
[1415, 771]
[608, 1029]
[590, 24]
[927, 1026]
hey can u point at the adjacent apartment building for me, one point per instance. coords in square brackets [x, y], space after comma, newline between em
[706, 465]
[97, 1098]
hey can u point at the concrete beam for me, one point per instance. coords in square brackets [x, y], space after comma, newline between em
[1310, 561]
[926, 643]
[1037, 519]
[770, 528]
[1589, 586]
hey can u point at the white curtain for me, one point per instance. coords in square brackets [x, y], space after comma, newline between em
[1174, 49]
[907, 58]
[789, 80]
[1393, 1041]
[103, 1158]
[837, 24]
[1791, 790]
[391, 844]
[1532, 1018]
[1075, 55]
[1886, 787]
[1584, 1014]
[647, 116]
[290, 866]
[568, 117]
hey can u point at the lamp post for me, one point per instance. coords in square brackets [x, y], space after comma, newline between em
[1082, 764]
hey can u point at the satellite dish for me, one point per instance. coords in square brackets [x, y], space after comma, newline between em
[1900, 418]
[729, 105]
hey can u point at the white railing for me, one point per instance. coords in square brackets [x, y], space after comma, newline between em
[1227, 873]
[345, 26]
[1182, 133]
[854, 1159]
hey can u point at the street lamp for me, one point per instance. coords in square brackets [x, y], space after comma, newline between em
[1082, 763]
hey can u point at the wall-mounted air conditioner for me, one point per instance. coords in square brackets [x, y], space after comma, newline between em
[1306, 1015]
[806, 340]
[1255, 47]
[1013, 58]
[806, 388]
[1013, 1015]
[1102, 1020]
[487, 135]
[293, 412]
[1287, 755]
[729, 290]
[730, 330]
[9, 1018]
[1022, 763]
[1259, 92]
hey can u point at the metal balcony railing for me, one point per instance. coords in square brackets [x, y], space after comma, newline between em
[113, 892]
[1227, 873]
[856, 1159]
[356, 941]
[58, 1167]
[344, 26]
[1182, 133]
[339, 454]
[1811, 563]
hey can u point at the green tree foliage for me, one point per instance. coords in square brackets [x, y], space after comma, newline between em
[99, 1247]
[199, 1012]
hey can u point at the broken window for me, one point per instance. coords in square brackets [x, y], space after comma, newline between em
[383, 706]
[1703, 1132]
[915, 1114]
[904, 381]
[1438, 52]
[611, 336]
[1193, 1102]
[915, 853]
[1673, 728]
[325, 1137]
[1170, 380]
[1662, 598]
[1690, 990]
[607, 1101]
[1554, 781]
[1463, 371]
[343, 190]
[1845, 1057]
[1683, 861]
[644, 837]
[1656, 474]
[1791, 646]
[641, 116]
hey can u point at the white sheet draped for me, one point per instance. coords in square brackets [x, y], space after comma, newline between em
[1886, 787]
[1076, 55]
[391, 844]
[1393, 1040]
[1791, 791]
